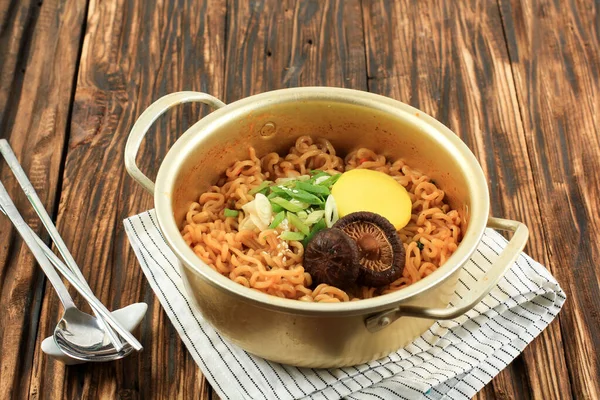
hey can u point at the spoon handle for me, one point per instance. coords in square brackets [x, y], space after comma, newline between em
[38, 206]
[12, 213]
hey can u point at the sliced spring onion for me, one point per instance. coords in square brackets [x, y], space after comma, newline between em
[302, 215]
[299, 195]
[321, 179]
[261, 187]
[288, 205]
[295, 221]
[314, 189]
[276, 208]
[231, 213]
[319, 226]
[288, 235]
[247, 224]
[300, 204]
[263, 208]
[280, 191]
[314, 217]
[260, 224]
[288, 184]
[318, 172]
[278, 218]
[330, 181]
[331, 212]
[249, 208]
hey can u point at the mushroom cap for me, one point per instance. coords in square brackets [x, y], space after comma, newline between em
[381, 253]
[331, 257]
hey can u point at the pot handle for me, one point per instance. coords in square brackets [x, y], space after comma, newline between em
[145, 121]
[380, 320]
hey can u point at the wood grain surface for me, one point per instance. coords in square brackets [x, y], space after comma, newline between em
[516, 80]
[40, 52]
[556, 79]
[450, 60]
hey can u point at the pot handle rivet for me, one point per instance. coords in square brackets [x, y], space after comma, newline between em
[145, 121]
[268, 129]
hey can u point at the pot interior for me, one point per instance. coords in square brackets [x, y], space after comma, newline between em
[272, 121]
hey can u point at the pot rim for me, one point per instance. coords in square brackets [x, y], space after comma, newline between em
[182, 149]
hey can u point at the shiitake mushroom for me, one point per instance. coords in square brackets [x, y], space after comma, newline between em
[331, 257]
[381, 253]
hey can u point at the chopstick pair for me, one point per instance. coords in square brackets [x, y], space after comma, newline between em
[70, 271]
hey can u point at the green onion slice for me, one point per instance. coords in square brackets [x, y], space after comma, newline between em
[277, 220]
[314, 189]
[261, 187]
[288, 205]
[295, 221]
[276, 208]
[302, 215]
[330, 181]
[231, 213]
[314, 217]
[319, 226]
[300, 195]
[287, 235]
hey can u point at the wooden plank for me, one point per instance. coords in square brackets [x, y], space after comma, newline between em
[278, 44]
[450, 60]
[555, 53]
[17, 23]
[39, 44]
[133, 53]
[486, 393]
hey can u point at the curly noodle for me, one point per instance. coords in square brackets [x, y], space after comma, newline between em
[264, 262]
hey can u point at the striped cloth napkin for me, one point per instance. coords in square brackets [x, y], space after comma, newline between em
[452, 360]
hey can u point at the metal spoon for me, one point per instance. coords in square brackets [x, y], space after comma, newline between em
[99, 353]
[38, 206]
[77, 334]
[129, 317]
[107, 351]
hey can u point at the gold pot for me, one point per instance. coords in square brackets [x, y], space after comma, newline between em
[314, 334]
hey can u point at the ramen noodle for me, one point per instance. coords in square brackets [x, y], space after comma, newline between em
[264, 262]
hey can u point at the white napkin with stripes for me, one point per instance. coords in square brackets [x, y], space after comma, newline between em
[452, 360]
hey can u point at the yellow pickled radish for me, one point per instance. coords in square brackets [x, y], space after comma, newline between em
[373, 191]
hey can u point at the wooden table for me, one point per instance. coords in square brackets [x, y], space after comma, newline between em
[518, 80]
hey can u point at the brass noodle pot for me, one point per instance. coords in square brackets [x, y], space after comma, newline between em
[315, 334]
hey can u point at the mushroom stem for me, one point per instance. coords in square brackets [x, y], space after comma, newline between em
[369, 247]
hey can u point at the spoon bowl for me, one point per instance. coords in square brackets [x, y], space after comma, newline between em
[130, 317]
[80, 336]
